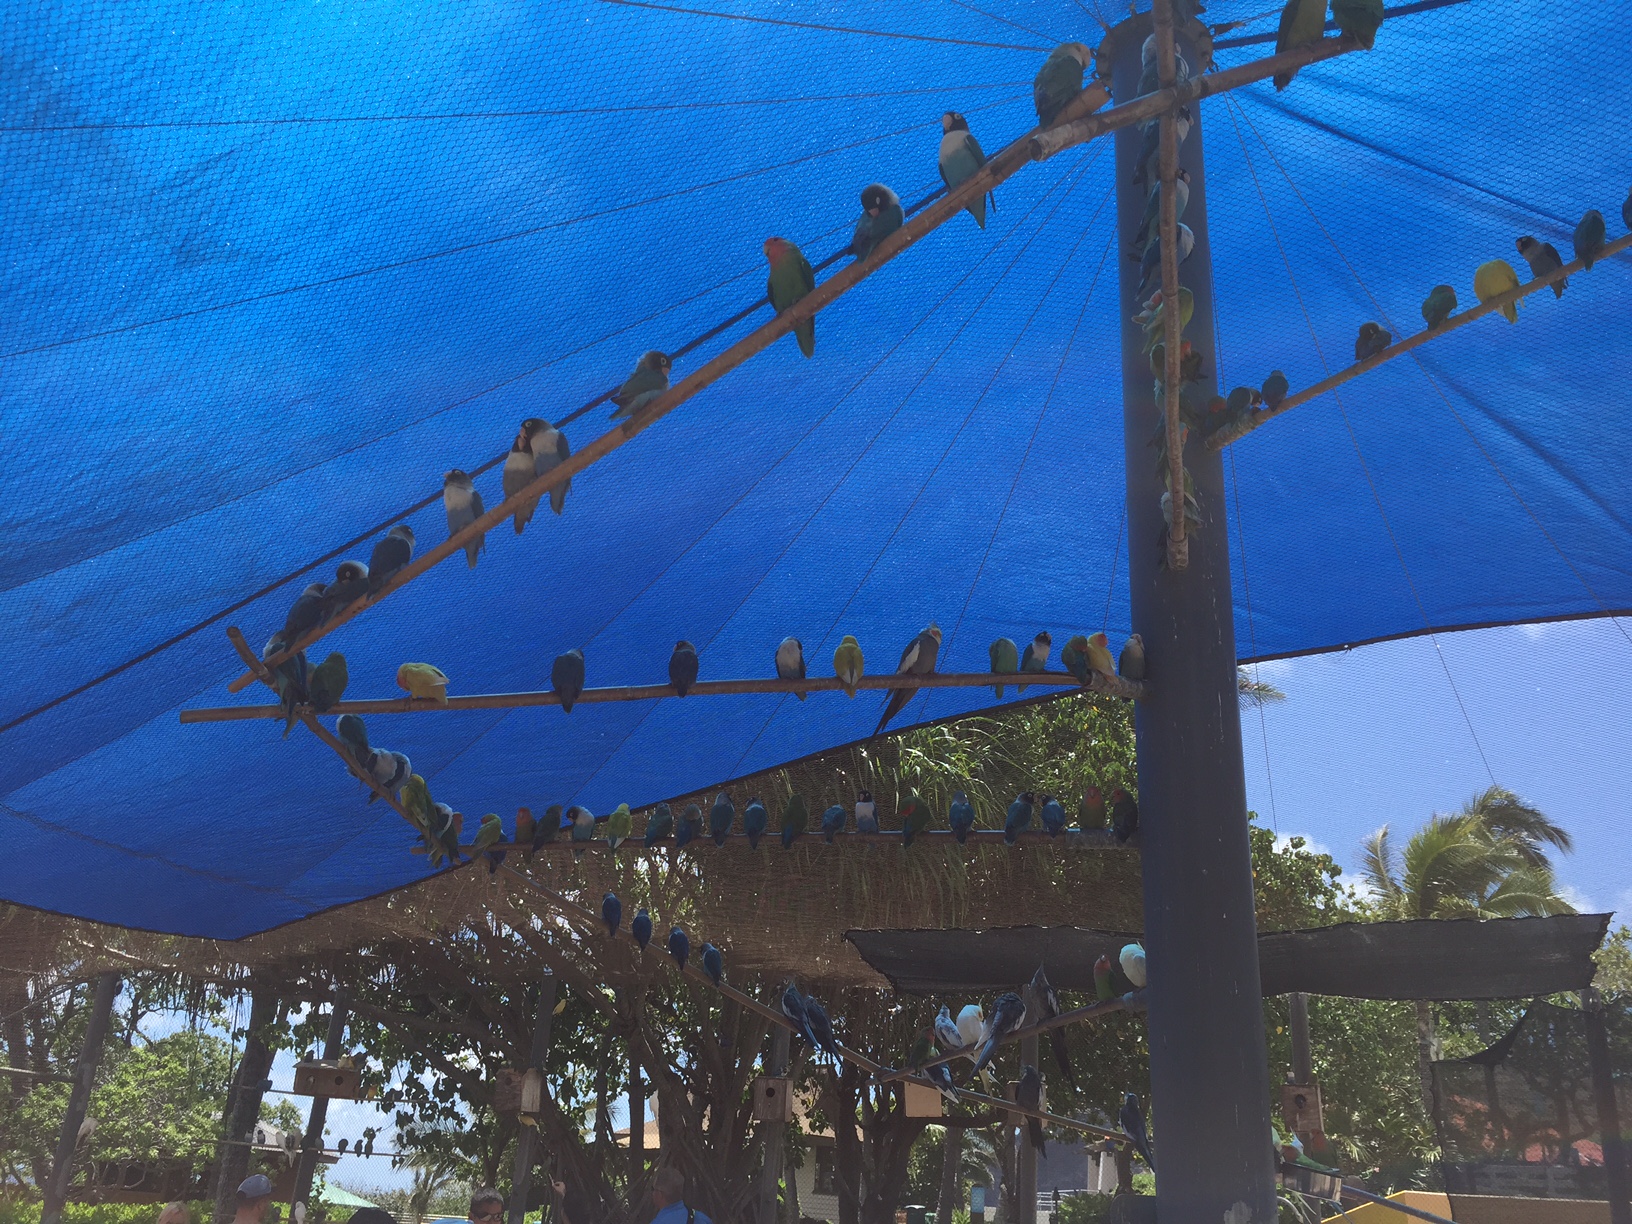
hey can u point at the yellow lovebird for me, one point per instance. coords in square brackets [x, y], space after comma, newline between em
[1494, 279]
[1099, 655]
[425, 681]
[848, 663]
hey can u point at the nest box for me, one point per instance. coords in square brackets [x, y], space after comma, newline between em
[318, 1077]
[923, 1101]
[1301, 1110]
[773, 1099]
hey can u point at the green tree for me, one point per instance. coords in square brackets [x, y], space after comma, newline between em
[1488, 860]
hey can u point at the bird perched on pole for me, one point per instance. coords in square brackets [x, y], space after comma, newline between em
[918, 659]
[1150, 224]
[1494, 278]
[795, 819]
[550, 451]
[567, 678]
[1043, 1004]
[1091, 811]
[1005, 661]
[1099, 655]
[1052, 816]
[821, 1028]
[689, 826]
[1302, 22]
[464, 506]
[659, 825]
[881, 216]
[1074, 654]
[790, 662]
[1132, 1121]
[650, 380]
[425, 681]
[390, 555]
[833, 822]
[1371, 341]
[619, 825]
[848, 664]
[1359, 19]
[946, 1031]
[1008, 1013]
[350, 584]
[720, 818]
[923, 1049]
[1438, 306]
[1275, 387]
[971, 1027]
[1104, 980]
[641, 929]
[1124, 815]
[1029, 1093]
[1132, 959]
[961, 816]
[791, 279]
[679, 947]
[1019, 817]
[1131, 666]
[1589, 238]
[915, 818]
[793, 1007]
[526, 829]
[1543, 260]
[489, 834]
[961, 159]
[353, 734]
[683, 667]
[1035, 658]
[306, 613]
[328, 683]
[713, 963]
[866, 813]
[755, 820]
[611, 912]
[582, 825]
[520, 470]
[1059, 80]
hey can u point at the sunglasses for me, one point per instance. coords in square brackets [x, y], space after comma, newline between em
[496, 1213]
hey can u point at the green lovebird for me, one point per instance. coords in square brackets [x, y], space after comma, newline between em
[650, 380]
[1439, 305]
[848, 664]
[416, 801]
[328, 682]
[1131, 666]
[1494, 279]
[791, 278]
[1301, 24]
[1059, 80]
[489, 833]
[1074, 657]
[795, 820]
[1359, 18]
[915, 818]
[619, 825]
[1005, 660]
[1091, 811]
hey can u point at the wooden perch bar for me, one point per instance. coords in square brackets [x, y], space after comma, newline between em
[1106, 686]
[1178, 548]
[1070, 839]
[948, 206]
[1234, 433]
[980, 1098]
[1069, 133]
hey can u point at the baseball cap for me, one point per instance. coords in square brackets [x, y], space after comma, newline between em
[257, 1185]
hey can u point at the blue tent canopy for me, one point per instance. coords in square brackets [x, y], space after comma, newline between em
[271, 271]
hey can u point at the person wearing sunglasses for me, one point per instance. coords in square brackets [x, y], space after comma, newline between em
[486, 1206]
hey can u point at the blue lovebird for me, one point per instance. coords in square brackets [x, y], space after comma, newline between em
[641, 929]
[881, 216]
[961, 817]
[833, 822]
[611, 912]
[690, 826]
[567, 678]
[755, 820]
[583, 826]
[713, 963]
[720, 818]
[960, 159]
[866, 813]
[660, 826]
[679, 947]
[1053, 815]
[1019, 818]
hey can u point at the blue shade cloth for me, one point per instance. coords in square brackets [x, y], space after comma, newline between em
[271, 270]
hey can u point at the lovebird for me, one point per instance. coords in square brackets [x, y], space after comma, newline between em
[1035, 658]
[1148, 163]
[1099, 654]
[390, 770]
[1275, 387]
[866, 813]
[650, 380]
[1091, 811]
[679, 947]
[915, 818]
[720, 818]
[550, 451]
[489, 834]
[1439, 305]
[1543, 259]
[1371, 341]
[683, 667]
[961, 816]
[611, 912]
[354, 735]
[464, 506]
[567, 678]
[641, 929]
[1150, 262]
[1059, 80]
[1104, 980]
[1074, 657]
[790, 280]
[1302, 22]
[1008, 1013]
[396, 550]
[1131, 666]
[520, 470]
[1132, 960]
[918, 659]
[795, 819]
[1053, 816]
[619, 825]
[425, 681]
[416, 802]
[526, 829]
[1150, 223]
[833, 822]
[1132, 1121]
[306, 613]
[961, 159]
[881, 216]
[328, 683]
[1019, 817]
[659, 825]
[582, 823]
[713, 963]
[1124, 815]
[1494, 279]
[1029, 1093]
[1589, 238]
[350, 584]
[549, 828]
[848, 664]
[1005, 658]
[690, 825]
[442, 842]
[790, 662]
[1359, 18]
[755, 820]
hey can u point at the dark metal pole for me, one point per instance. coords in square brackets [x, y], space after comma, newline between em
[771, 1134]
[1303, 1067]
[521, 1175]
[1208, 1057]
[1609, 1115]
[90, 1054]
[1025, 1163]
[637, 1119]
[312, 1144]
[245, 1103]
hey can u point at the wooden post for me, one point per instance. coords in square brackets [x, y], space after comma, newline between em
[1025, 1193]
[771, 1134]
[1609, 1117]
[1209, 1062]
[1303, 1067]
[311, 1145]
[244, 1107]
[90, 1054]
[521, 1176]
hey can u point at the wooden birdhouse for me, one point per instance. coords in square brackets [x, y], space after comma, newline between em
[507, 1091]
[1301, 1111]
[773, 1099]
[923, 1101]
[532, 1091]
[317, 1077]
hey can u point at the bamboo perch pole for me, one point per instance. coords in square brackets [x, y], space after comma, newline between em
[1103, 685]
[1067, 134]
[1071, 839]
[1178, 549]
[1013, 156]
[1234, 433]
[1014, 1107]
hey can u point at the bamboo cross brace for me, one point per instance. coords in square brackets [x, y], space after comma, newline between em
[1234, 433]
[1128, 1002]
[592, 920]
[1099, 683]
[1013, 156]
[1070, 839]
[1178, 548]
[1025, 1111]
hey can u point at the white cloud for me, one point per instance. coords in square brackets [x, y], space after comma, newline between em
[1536, 630]
[1582, 903]
[1310, 844]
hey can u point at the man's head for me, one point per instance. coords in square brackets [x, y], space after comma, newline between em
[173, 1213]
[254, 1193]
[669, 1186]
[486, 1206]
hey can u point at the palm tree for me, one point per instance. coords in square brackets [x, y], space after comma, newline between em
[1256, 692]
[1488, 860]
